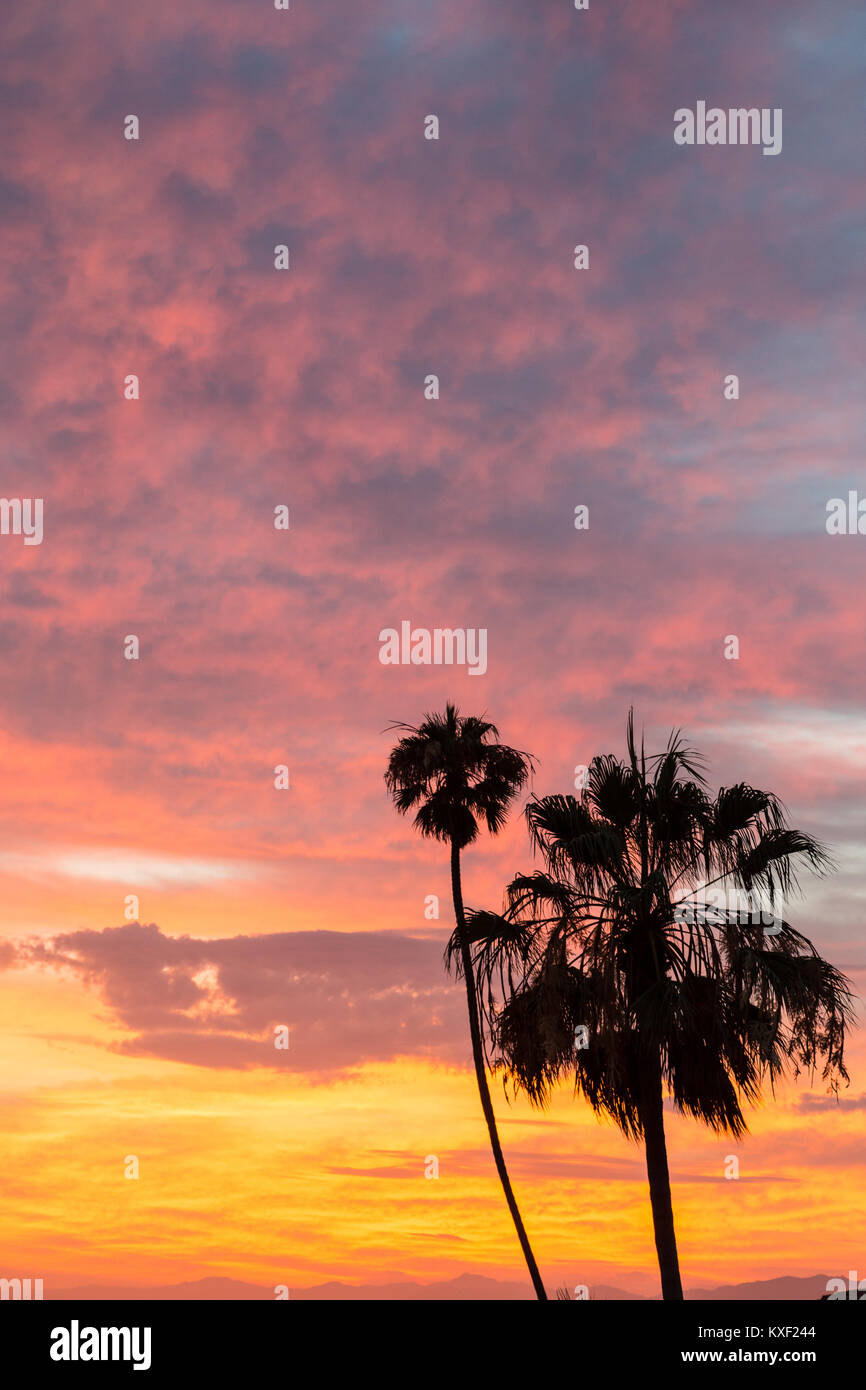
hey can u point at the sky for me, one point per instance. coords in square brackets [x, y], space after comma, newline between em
[147, 1030]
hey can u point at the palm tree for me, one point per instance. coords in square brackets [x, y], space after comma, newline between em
[453, 772]
[614, 964]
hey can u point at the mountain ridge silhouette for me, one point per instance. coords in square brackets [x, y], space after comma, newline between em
[466, 1286]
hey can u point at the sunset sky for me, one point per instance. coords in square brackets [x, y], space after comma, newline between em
[260, 647]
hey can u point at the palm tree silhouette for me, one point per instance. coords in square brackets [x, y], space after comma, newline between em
[614, 964]
[455, 772]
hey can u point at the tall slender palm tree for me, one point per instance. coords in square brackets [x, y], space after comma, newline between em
[616, 963]
[453, 772]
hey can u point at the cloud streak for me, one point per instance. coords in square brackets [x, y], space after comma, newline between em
[347, 998]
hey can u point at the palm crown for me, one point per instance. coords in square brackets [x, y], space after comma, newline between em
[454, 770]
[616, 937]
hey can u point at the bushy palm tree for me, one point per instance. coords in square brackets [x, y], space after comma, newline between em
[616, 964]
[453, 772]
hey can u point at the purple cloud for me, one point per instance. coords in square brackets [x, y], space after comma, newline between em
[346, 997]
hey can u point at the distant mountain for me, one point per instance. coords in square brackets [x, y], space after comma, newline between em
[199, 1289]
[464, 1288]
[787, 1287]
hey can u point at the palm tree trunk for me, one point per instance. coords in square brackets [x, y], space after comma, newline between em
[481, 1073]
[660, 1181]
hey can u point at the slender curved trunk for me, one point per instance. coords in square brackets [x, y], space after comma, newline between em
[660, 1181]
[481, 1073]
